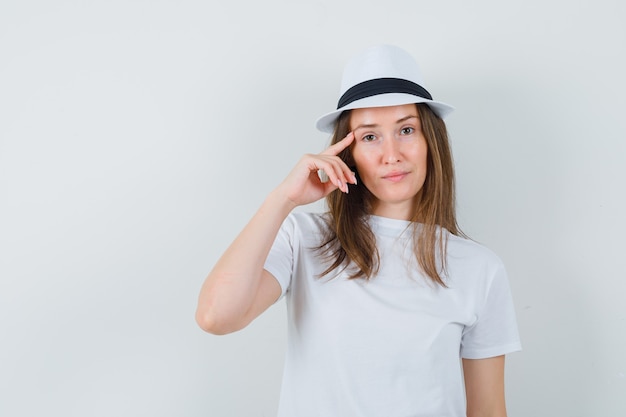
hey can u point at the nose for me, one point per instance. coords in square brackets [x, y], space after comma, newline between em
[391, 151]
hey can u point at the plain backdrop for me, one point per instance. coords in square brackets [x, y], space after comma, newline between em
[138, 137]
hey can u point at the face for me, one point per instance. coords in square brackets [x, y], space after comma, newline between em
[390, 153]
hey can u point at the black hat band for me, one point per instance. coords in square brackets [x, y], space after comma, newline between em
[382, 86]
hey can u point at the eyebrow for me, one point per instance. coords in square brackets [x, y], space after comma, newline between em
[371, 125]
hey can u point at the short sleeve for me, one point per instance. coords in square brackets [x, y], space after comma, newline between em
[495, 331]
[280, 259]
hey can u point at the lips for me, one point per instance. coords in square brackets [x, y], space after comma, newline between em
[395, 176]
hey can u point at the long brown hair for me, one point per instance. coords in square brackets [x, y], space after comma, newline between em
[349, 241]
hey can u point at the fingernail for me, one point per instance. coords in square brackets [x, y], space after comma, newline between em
[342, 186]
[354, 178]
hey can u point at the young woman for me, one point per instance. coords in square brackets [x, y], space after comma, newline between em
[391, 311]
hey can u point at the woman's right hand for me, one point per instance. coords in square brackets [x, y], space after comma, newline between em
[304, 186]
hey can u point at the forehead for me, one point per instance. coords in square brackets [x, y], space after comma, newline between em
[382, 115]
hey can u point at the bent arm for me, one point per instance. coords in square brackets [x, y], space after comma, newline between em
[484, 387]
[238, 289]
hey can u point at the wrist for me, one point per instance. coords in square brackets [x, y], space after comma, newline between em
[279, 201]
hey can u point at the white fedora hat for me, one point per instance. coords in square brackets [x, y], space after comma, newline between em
[380, 76]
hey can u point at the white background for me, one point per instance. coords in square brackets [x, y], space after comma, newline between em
[138, 137]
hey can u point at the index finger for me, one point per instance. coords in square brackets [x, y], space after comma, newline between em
[339, 146]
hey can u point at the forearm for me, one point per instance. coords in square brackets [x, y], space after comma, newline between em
[231, 288]
[484, 387]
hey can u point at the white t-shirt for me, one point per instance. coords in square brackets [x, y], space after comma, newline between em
[390, 346]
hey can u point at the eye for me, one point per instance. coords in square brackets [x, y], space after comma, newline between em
[407, 130]
[368, 138]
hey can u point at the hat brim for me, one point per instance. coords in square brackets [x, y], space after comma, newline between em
[326, 123]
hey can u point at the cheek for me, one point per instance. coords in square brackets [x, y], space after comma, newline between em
[359, 158]
[422, 154]
[365, 166]
[424, 159]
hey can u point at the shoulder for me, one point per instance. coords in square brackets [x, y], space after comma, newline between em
[306, 225]
[461, 247]
[466, 257]
[307, 220]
